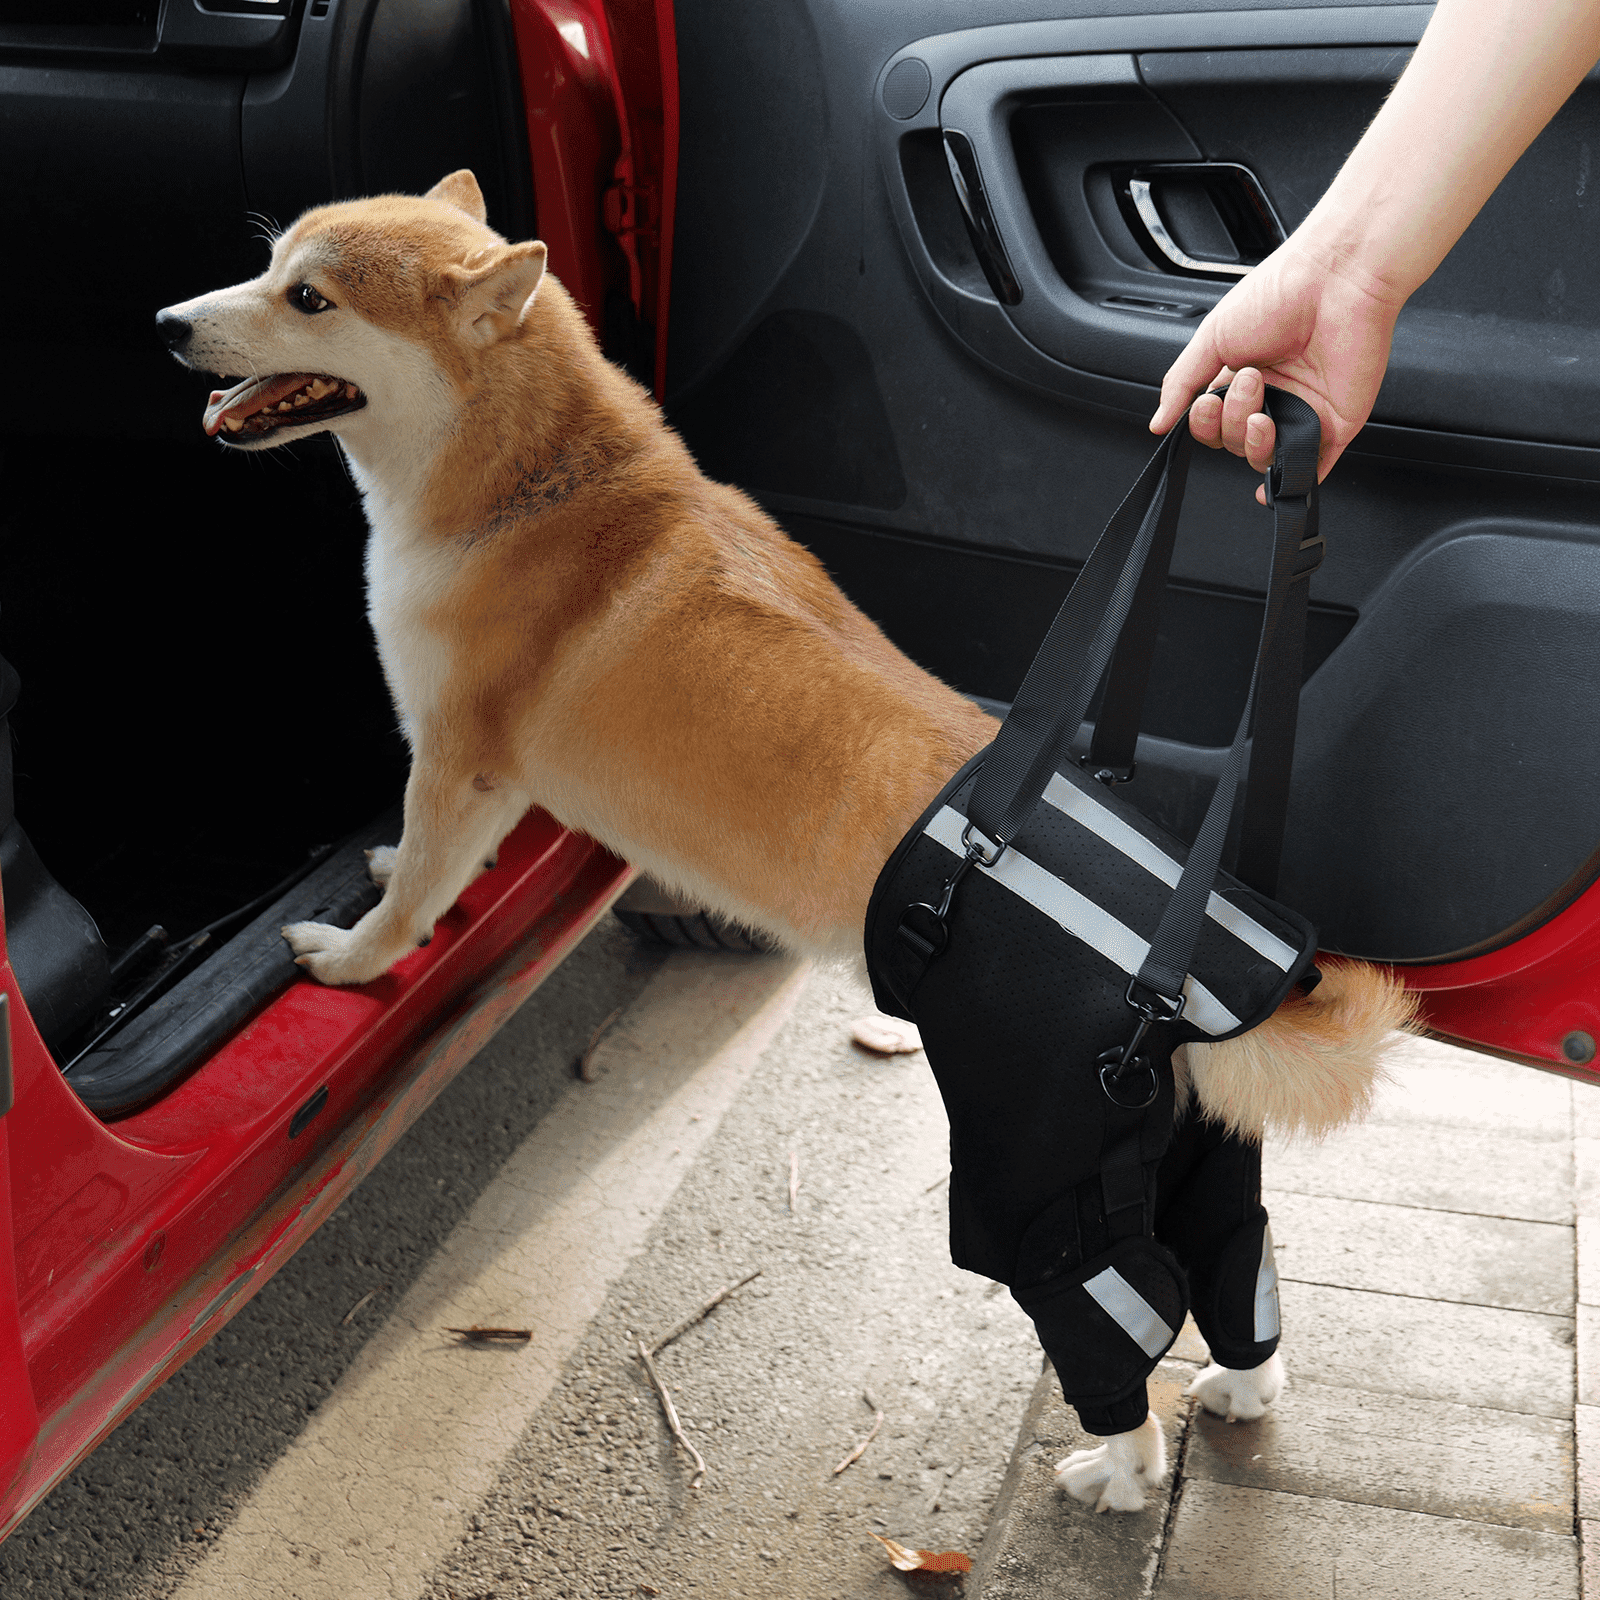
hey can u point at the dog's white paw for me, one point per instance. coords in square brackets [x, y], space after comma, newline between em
[1114, 1476]
[332, 955]
[380, 864]
[1240, 1395]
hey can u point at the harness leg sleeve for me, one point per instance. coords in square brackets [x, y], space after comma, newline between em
[1106, 1298]
[1209, 1214]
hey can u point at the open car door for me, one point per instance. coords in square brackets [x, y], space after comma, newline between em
[926, 280]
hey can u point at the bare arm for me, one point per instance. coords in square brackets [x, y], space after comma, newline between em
[1318, 315]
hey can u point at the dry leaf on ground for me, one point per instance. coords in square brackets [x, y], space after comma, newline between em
[885, 1036]
[908, 1560]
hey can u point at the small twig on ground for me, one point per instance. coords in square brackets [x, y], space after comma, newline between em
[349, 1316]
[586, 1061]
[861, 1449]
[936, 1182]
[704, 1311]
[794, 1179]
[477, 1335]
[672, 1416]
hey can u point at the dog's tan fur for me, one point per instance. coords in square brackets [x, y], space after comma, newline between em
[570, 615]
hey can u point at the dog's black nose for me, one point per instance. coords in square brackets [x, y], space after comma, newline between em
[173, 329]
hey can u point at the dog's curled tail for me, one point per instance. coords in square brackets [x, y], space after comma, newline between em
[1313, 1064]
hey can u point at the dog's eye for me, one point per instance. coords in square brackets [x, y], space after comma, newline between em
[304, 298]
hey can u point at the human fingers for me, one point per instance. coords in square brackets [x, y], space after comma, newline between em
[1197, 368]
[1240, 407]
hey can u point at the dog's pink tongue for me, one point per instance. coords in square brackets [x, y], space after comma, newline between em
[253, 395]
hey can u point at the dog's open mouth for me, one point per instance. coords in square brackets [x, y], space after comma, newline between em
[285, 400]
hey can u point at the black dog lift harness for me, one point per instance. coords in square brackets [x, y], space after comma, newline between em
[1069, 1181]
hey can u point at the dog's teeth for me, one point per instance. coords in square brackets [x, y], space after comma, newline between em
[232, 424]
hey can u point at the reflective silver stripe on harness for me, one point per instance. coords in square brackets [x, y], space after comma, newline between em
[1104, 822]
[1268, 1323]
[1081, 917]
[1130, 1310]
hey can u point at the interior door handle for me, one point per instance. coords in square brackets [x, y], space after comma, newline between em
[1236, 201]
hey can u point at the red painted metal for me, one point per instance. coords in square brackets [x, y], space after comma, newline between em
[600, 87]
[1524, 999]
[165, 1224]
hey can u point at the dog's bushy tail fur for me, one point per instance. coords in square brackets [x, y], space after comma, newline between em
[1313, 1064]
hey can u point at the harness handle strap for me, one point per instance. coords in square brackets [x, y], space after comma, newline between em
[1033, 743]
[1172, 949]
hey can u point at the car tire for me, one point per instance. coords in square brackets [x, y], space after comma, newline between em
[653, 914]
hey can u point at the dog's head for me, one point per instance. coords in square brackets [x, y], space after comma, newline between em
[387, 302]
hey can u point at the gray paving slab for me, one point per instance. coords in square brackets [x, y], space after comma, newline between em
[1587, 1241]
[1044, 1545]
[1494, 1172]
[1589, 1549]
[1586, 1168]
[1232, 1543]
[1588, 1326]
[1586, 1427]
[1433, 1349]
[1585, 1109]
[1391, 1450]
[1437, 1255]
[1442, 1086]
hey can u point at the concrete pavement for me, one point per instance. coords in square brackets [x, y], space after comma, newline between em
[1440, 1436]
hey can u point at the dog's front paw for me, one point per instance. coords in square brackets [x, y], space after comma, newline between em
[380, 864]
[331, 955]
[1114, 1476]
[1240, 1395]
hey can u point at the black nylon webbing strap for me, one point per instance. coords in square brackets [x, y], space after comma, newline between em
[1116, 729]
[1266, 805]
[1172, 949]
[1050, 706]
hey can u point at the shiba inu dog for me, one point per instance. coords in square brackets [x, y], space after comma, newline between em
[569, 615]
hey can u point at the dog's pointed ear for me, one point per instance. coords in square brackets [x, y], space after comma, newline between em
[461, 190]
[493, 287]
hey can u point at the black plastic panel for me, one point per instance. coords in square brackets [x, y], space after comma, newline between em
[55, 949]
[186, 1025]
[1453, 749]
[796, 410]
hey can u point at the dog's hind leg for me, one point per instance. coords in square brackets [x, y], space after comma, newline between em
[1114, 1476]
[453, 823]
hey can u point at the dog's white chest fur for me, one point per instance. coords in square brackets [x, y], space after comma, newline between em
[406, 581]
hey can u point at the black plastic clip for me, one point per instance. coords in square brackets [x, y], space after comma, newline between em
[1129, 1079]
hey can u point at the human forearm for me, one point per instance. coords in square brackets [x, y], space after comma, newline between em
[1317, 316]
[1487, 76]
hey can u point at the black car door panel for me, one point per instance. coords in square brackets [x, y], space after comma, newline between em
[947, 399]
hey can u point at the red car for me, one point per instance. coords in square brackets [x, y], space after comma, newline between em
[918, 308]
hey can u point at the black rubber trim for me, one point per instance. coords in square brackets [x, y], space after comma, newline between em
[186, 1025]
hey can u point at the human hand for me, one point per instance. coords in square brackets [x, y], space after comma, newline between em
[1301, 321]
